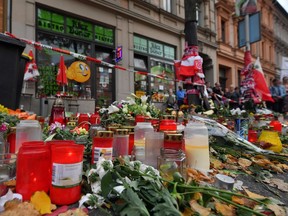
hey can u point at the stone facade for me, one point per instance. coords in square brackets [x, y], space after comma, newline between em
[281, 39]
[152, 19]
[229, 56]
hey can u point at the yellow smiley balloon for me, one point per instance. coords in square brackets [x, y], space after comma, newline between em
[79, 71]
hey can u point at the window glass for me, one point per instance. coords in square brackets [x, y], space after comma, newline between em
[140, 81]
[78, 71]
[167, 5]
[104, 78]
[160, 87]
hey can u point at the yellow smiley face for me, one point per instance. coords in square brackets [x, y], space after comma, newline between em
[79, 71]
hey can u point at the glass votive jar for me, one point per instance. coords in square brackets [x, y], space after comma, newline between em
[121, 142]
[170, 161]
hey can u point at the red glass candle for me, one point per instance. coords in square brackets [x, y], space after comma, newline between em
[252, 136]
[57, 115]
[173, 141]
[33, 168]
[102, 146]
[83, 121]
[67, 165]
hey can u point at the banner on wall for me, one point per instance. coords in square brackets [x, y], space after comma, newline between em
[284, 67]
[244, 7]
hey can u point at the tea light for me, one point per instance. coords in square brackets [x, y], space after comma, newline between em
[224, 182]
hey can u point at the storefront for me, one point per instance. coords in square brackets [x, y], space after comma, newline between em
[86, 80]
[155, 58]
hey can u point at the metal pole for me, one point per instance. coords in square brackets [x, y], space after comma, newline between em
[191, 22]
[247, 32]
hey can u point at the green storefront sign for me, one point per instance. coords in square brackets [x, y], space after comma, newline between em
[140, 44]
[51, 21]
[104, 35]
[153, 48]
[79, 28]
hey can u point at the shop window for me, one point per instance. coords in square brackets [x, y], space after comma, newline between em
[48, 61]
[159, 87]
[140, 80]
[104, 78]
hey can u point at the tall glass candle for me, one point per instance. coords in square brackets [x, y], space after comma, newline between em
[67, 165]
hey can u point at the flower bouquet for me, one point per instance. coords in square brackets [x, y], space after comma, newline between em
[125, 111]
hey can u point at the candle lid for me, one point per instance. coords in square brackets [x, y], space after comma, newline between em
[170, 117]
[173, 137]
[112, 128]
[129, 128]
[121, 132]
[104, 134]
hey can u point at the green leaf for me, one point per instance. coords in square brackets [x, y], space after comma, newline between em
[243, 212]
[135, 205]
[107, 184]
[164, 209]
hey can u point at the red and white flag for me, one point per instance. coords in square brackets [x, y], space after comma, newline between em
[260, 82]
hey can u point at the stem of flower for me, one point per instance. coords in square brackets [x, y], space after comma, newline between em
[235, 204]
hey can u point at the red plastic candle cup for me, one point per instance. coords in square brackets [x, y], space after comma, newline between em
[95, 119]
[173, 141]
[33, 169]
[131, 143]
[83, 121]
[252, 136]
[67, 165]
[12, 142]
[102, 146]
[277, 126]
[139, 118]
[167, 125]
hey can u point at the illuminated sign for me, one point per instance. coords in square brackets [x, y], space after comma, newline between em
[118, 54]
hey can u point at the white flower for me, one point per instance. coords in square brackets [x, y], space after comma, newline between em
[148, 114]
[144, 99]
[143, 167]
[91, 172]
[134, 95]
[85, 198]
[119, 189]
[144, 107]
[112, 109]
[96, 187]
[103, 166]
[102, 110]
[131, 101]
[125, 109]
[237, 111]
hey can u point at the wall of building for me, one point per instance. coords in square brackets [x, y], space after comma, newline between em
[229, 56]
[129, 17]
[281, 38]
